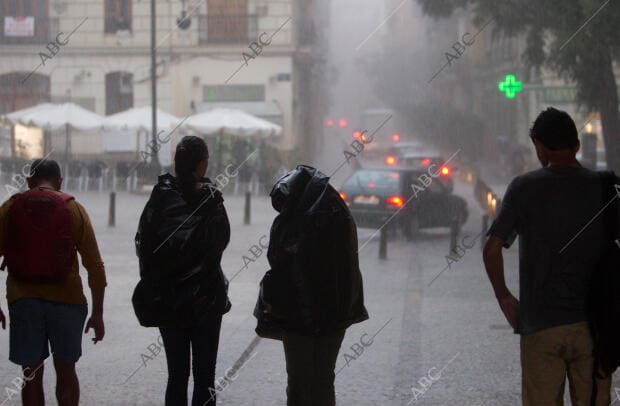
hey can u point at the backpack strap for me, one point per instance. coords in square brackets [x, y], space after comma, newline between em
[66, 197]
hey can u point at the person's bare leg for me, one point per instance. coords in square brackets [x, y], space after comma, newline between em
[67, 384]
[32, 392]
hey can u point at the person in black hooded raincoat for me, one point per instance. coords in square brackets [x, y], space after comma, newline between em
[313, 291]
[183, 232]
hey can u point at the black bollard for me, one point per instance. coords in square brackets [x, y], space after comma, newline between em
[383, 243]
[485, 228]
[454, 230]
[112, 211]
[246, 210]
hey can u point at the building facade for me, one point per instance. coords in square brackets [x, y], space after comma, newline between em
[210, 53]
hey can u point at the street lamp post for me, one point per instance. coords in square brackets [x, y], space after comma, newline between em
[155, 156]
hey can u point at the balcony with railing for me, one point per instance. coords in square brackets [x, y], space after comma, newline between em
[28, 30]
[227, 29]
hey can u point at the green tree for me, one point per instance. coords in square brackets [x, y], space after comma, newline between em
[578, 39]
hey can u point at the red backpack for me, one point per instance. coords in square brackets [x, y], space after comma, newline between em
[39, 242]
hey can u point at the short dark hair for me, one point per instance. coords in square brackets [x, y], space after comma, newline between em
[45, 169]
[555, 129]
[191, 150]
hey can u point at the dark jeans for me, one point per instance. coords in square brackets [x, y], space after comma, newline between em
[204, 340]
[310, 364]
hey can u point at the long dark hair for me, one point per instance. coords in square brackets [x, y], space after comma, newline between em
[191, 150]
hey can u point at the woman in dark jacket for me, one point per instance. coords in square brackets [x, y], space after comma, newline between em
[183, 231]
[313, 291]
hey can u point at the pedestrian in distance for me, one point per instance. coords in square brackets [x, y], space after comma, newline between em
[561, 246]
[182, 234]
[313, 291]
[41, 232]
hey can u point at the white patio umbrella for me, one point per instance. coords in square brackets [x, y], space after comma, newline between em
[56, 116]
[138, 119]
[232, 122]
[222, 122]
[50, 116]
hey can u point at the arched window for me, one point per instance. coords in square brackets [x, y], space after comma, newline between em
[15, 94]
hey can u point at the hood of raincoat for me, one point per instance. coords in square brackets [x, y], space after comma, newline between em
[288, 190]
[314, 285]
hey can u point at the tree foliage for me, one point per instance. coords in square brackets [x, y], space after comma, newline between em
[578, 39]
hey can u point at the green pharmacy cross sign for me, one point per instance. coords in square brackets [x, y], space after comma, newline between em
[510, 86]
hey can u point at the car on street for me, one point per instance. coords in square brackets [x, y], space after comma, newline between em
[374, 195]
[414, 155]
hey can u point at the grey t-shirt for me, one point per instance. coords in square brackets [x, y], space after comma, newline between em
[547, 208]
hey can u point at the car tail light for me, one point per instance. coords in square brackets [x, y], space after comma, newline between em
[343, 196]
[396, 201]
[426, 162]
[357, 134]
[390, 160]
[445, 171]
[396, 137]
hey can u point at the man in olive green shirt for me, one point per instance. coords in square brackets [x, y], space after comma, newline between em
[52, 314]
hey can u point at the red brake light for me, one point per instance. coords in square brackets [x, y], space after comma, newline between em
[445, 171]
[390, 160]
[371, 185]
[395, 137]
[357, 134]
[426, 162]
[329, 122]
[343, 196]
[343, 122]
[396, 201]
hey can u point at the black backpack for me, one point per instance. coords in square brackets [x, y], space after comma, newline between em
[604, 293]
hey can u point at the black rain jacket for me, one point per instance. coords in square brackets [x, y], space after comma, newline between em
[314, 286]
[179, 244]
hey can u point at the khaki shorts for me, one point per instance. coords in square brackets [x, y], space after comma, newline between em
[549, 356]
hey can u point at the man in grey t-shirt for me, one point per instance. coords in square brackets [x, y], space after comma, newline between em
[547, 209]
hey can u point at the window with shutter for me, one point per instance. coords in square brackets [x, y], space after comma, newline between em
[24, 22]
[227, 21]
[117, 16]
[118, 92]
